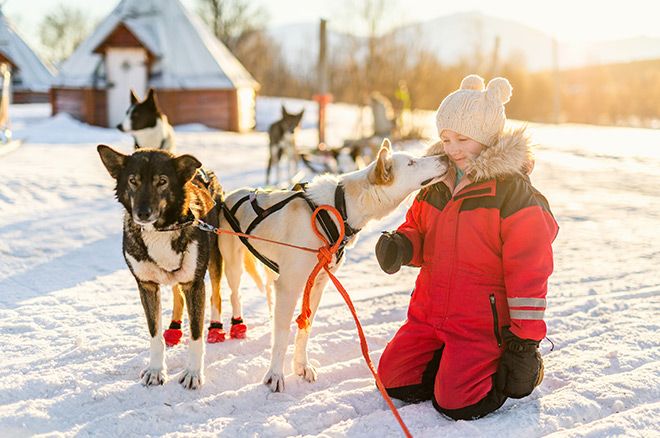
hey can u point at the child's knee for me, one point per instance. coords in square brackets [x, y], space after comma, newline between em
[492, 401]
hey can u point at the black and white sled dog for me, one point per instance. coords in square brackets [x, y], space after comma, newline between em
[147, 124]
[282, 144]
[360, 196]
[162, 245]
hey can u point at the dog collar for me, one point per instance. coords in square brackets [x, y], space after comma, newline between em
[340, 205]
[188, 220]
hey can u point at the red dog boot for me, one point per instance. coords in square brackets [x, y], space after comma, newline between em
[173, 334]
[238, 329]
[216, 333]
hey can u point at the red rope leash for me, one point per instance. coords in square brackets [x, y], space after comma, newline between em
[324, 255]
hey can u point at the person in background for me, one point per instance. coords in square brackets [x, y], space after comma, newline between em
[404, 108]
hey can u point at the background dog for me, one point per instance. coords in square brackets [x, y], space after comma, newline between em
[162, 246]
[147, 124]
[283, 144]
[325, 159]
[370, 193]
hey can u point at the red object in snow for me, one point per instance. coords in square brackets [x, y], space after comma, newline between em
[172, 337]
[238, 331]
[323, 100]
[216, 335]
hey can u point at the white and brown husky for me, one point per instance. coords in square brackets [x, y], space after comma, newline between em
[366, 194]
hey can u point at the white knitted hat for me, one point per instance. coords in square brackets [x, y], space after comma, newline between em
[475, 112]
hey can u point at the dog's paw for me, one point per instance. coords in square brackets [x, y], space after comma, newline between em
[191, 379]
[306, 371]
[275, 381]
[153, 376]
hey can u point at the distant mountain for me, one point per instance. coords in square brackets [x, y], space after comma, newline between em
[460, 35]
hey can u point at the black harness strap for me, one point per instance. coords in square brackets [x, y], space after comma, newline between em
[340, 205]
[236, 206]
[233, 223]
[324, 218]
[263, 214]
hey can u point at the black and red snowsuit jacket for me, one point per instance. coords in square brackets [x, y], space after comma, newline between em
[485, 252]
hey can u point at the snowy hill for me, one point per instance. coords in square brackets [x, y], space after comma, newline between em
[458, 36]
[74, 338]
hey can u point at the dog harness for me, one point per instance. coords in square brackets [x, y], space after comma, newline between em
[324, 219]
[137, 146]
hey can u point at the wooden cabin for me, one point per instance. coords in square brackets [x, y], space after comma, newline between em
[156, 44]
[31, 77]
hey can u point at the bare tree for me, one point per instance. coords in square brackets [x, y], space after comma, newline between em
[62, 30]
[241, 27]
[232, 21]
[373, 47]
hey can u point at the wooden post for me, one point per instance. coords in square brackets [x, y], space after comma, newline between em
[323, 98]
[557, 93]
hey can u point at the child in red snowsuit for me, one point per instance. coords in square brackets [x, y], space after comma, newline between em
[482, 238]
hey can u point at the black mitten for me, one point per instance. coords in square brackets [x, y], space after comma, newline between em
[393, 250]
[521, 368]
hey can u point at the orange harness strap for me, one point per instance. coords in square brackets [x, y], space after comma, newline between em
[324, 255]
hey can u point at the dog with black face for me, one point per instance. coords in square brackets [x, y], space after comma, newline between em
[283, 144]
[162, 197]
[147, 124]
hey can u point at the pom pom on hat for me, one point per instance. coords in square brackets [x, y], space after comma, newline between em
[476, 112]
[473, 82]
[499, 89]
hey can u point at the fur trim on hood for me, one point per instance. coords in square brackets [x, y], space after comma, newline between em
[511, 155]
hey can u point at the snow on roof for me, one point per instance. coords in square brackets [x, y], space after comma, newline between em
[187, 54]
[35, 74]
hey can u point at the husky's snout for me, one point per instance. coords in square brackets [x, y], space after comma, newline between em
[443, 165]
[144, 210]
[144, 214]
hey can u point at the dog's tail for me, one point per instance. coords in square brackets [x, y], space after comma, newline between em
[250, 264]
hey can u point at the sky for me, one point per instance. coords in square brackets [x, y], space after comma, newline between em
[567, 20]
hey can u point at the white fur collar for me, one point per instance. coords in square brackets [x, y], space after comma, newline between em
[511, 155]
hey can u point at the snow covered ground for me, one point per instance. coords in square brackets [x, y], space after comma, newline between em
[74, 337]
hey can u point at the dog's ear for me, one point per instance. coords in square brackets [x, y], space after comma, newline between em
[112, 160]
[152, 98]
[134, 98]
[382, 171]
[284, 113]
[186, 166]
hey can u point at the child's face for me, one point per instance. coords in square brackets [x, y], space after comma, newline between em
[459, 148]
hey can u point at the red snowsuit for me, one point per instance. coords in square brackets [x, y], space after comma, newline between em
[485, 256]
